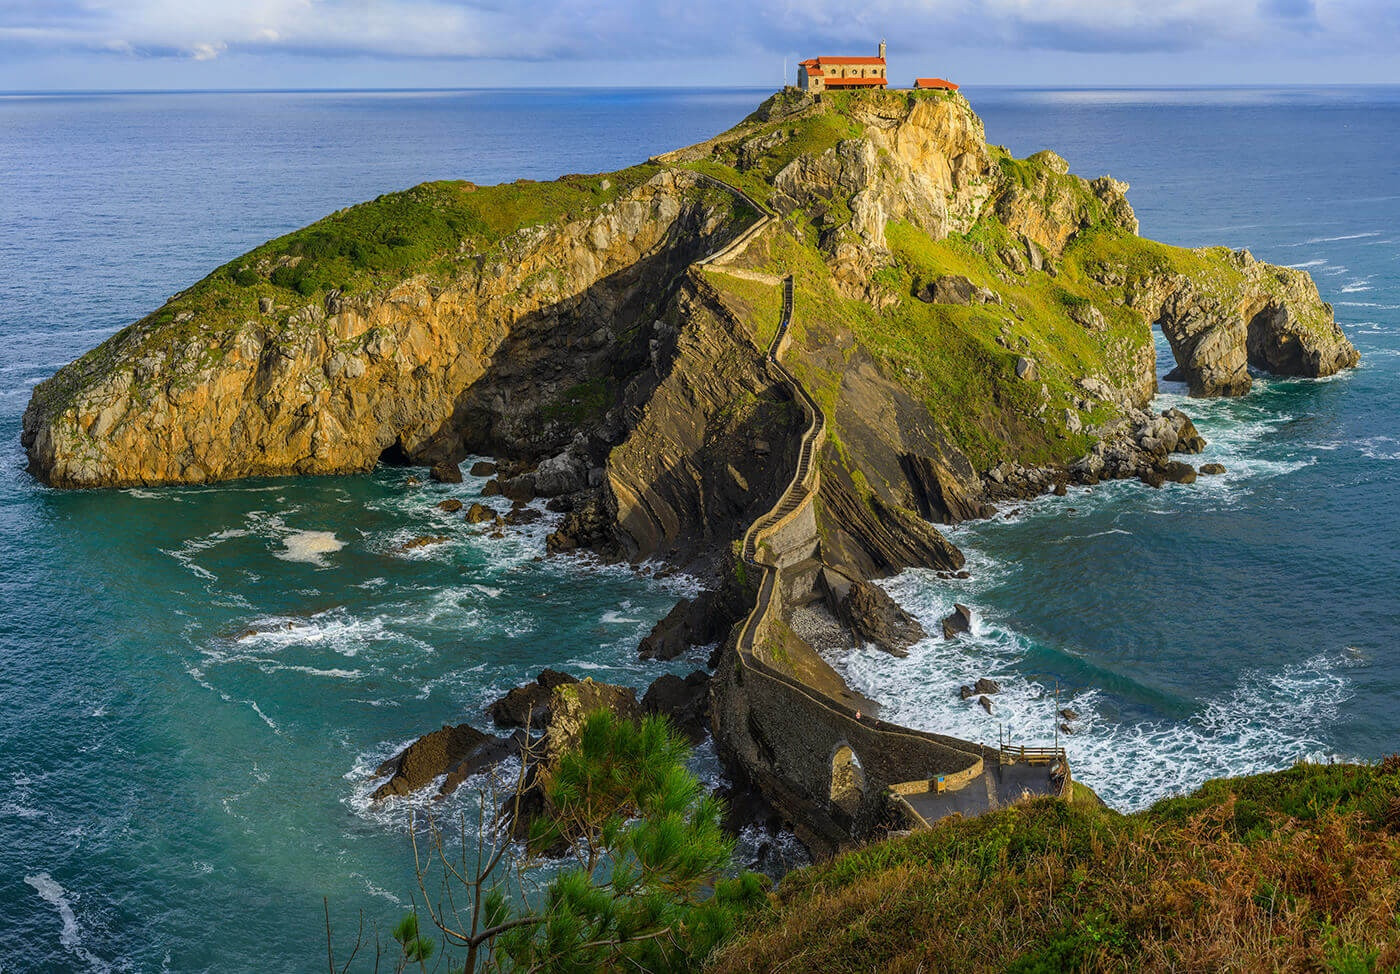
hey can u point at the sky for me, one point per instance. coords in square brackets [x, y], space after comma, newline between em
[203, 44]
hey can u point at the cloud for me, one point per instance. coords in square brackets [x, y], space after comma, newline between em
[643, 30]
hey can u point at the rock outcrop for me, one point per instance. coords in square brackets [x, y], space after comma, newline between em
[528, 705]
[457, 752]
[424, 369]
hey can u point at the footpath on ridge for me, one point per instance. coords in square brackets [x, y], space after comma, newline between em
[860, 760]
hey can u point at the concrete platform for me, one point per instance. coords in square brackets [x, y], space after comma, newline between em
[995, 787]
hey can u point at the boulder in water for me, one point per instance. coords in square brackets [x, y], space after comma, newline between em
[958, 621]
[428, 757]
[446, 472]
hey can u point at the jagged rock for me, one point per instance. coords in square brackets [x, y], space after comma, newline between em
[1026, 369]
[565, 473]
[1013, 259]
[488, 754]
[588, 525]
[691, 622]
[1188, 438]
[1213, 469]
[685, 701]
[428, 757]
[1089, 316]
[986, 703]
[264, 306]
[966, 692]
[446, 472]
[1179, 472]
[874, 617]
[452, 505]
[528, 705]
[874, 539]
[956, 289]
[479, 513]
[958, 621]
[1066, 729]
[1069, 714]
[940, 495]
[523, 515]
[1033, 254]
[492, 488]
[984, 685]
[423, 541]
[483, 468]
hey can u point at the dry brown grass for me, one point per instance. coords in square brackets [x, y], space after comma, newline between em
[1217, 882]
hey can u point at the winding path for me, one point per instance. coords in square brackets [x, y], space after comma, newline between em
[921, 771]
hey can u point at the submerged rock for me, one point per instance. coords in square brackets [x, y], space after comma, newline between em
[1213, 469]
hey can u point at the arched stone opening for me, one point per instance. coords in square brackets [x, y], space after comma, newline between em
[847, 779]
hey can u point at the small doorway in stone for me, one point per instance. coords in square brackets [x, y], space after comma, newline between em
[847, 779]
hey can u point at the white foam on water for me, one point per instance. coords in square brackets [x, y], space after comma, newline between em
[1345, 236]
[1380, 448]
[1307, 263]
[310, 547]
[394, 812]
[1266, 722]
[1356, 287]
[71, 936]
[337, 628]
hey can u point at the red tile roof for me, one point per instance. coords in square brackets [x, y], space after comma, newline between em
[847, 60]
[812, 69]
[938, 83]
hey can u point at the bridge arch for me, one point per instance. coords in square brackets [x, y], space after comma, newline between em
[847, 779]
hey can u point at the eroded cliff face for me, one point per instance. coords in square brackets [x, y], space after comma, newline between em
[715, 439]
[1269, 318]
[532, 335]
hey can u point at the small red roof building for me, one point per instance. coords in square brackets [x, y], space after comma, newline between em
[935, 84]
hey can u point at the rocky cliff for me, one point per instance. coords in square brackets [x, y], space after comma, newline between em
[958, 309]
[499, 345]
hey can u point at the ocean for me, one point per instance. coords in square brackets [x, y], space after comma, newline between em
[196, 683]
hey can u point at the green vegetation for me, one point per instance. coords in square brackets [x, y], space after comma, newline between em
[652, 885]
[1298, 870]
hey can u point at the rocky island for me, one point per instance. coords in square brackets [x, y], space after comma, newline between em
[777, 358]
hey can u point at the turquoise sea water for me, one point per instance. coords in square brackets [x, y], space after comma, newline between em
[179, 794]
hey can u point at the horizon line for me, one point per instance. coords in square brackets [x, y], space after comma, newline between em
[1241, 86]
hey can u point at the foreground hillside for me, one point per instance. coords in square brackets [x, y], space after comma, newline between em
[1293, 871]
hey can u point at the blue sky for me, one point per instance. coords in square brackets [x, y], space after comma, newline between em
[58, 44]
